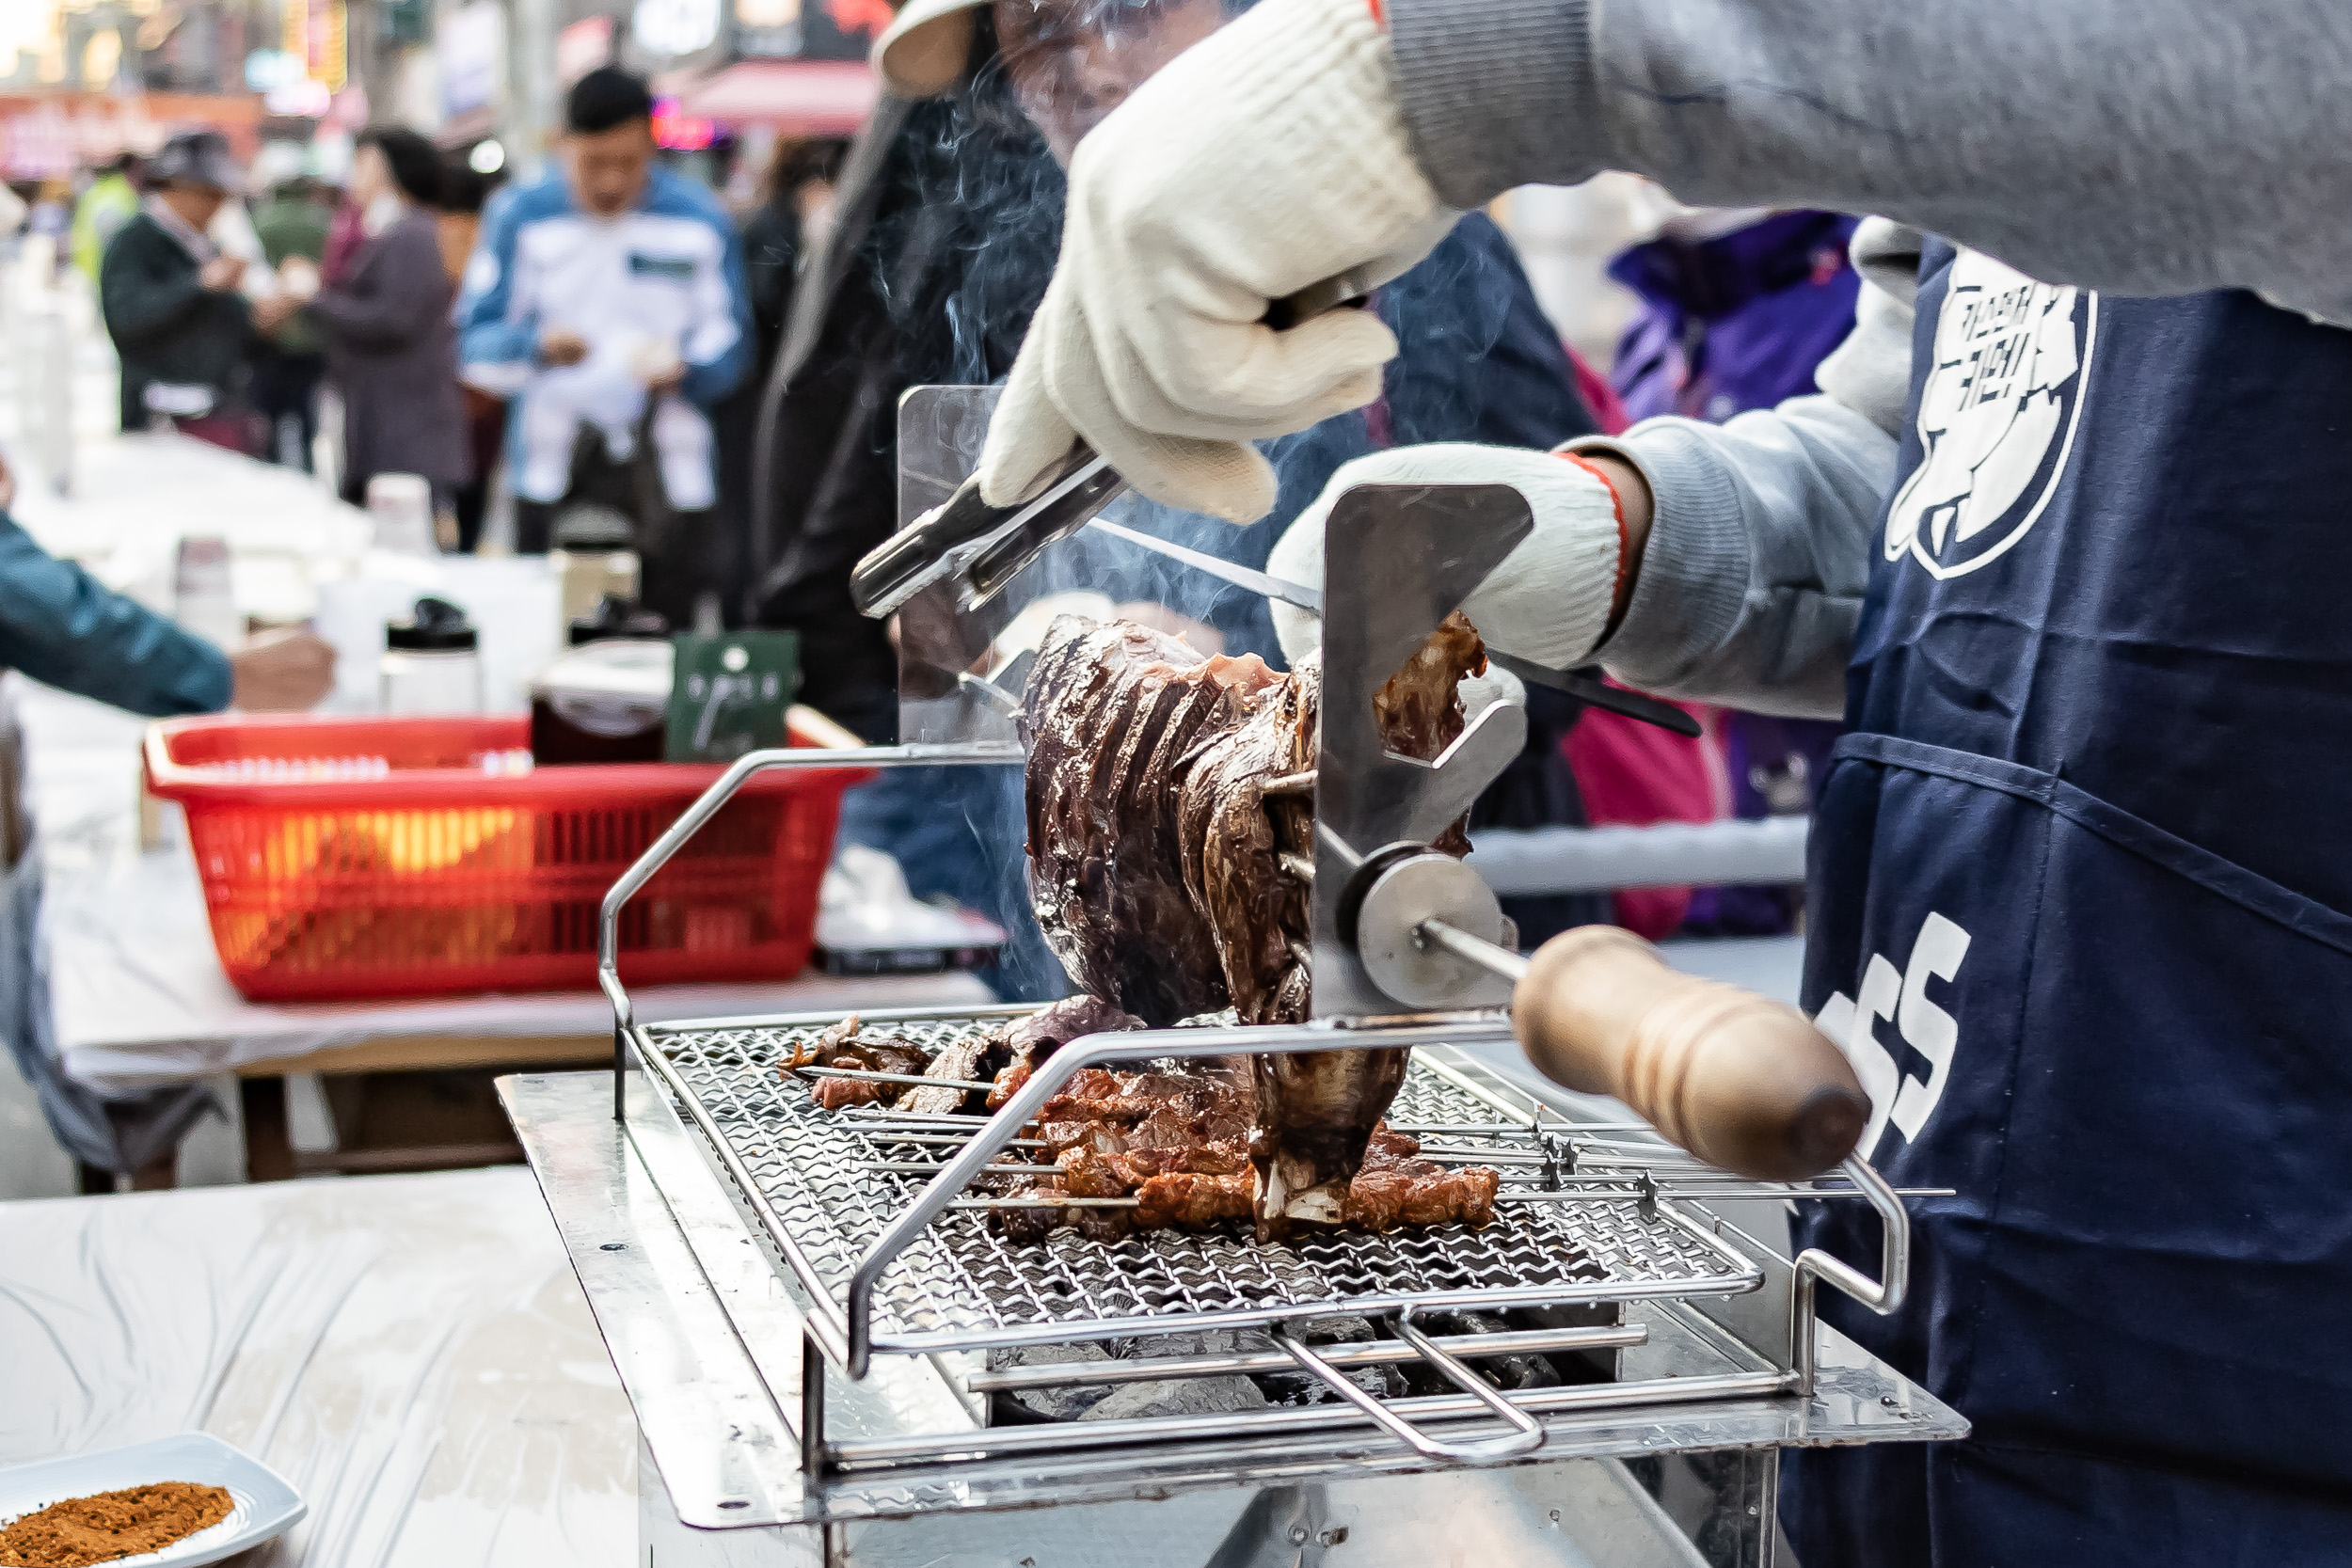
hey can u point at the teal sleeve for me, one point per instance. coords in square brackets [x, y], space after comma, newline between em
[61, 626]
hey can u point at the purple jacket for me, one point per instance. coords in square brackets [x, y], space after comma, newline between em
[1734, 323]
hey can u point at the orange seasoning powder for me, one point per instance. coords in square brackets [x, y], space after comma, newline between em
[108, 1524]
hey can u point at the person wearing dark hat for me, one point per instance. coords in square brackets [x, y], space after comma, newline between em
[391, 350]
[607, 301]
[171, 302]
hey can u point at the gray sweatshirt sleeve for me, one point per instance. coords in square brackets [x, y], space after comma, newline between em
[1762, 529]
[2156, 146]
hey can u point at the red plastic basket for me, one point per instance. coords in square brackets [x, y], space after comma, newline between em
[356, 858]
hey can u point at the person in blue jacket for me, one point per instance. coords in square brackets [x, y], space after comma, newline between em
[607, 301]
[1478, 360]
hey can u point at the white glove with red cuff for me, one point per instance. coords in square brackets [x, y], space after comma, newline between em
[1266, 159]
[1550, 599]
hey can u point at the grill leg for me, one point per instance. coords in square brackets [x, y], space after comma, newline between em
[811, 1409]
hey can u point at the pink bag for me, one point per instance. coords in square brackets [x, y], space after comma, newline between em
[1632, 774]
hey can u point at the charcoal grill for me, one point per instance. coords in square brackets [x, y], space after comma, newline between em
[828, 1346]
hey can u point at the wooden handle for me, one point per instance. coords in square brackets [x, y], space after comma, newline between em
[1741, 1081]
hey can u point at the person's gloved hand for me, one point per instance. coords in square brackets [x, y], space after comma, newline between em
[1552, 597]
[287, 671]
[1265, 160]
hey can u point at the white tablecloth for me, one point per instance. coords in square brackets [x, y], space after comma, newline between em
[411, 1352]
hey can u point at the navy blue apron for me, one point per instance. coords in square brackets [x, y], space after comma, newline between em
[2080, 884]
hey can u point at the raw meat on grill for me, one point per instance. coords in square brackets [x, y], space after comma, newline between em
[1113, 710]
[1030, 1041]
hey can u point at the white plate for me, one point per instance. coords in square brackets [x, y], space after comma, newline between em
[266, 1504]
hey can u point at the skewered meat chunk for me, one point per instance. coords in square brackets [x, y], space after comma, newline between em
[1030, 1041]
[843, 1046]
[839, 1094]
[971, 1060]
[1187, 1202]
[1113, 709]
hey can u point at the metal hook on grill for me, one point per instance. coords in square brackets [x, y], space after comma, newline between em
[1527, 1436]
[1883, 1295]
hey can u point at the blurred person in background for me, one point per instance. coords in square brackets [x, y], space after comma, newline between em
[795, 208]
[391, 349]
[104, 209]
[172, 301]
[607, 301]
[291, 225]
[463, 193]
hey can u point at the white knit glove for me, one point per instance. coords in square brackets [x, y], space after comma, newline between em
[1265, 159]
[1550, 598]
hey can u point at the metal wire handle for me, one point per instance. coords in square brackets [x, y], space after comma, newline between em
[1527, 1438]
[1883, 1295]
[705, 806]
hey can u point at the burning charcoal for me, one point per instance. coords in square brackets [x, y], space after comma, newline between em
[1503, 1371]
[1054, 1403]
[1192, 1396]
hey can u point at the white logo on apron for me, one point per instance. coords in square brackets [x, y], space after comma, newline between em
[1997, 415]
[1900, 996]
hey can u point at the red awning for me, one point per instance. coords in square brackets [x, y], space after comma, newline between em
[799, 98]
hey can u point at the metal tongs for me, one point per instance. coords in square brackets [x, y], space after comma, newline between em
[982, 547]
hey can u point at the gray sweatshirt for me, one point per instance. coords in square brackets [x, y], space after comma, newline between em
[2142, 146]
[1759, 545]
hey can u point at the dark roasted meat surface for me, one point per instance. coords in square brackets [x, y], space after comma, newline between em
[1114, 710]
[1156, 858]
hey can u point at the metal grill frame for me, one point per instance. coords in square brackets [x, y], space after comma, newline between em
[852, 1331]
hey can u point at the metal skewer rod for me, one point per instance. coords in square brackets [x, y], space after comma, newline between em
[1495, 960]
[1297, 867]
[951, 1138]
[935, 1120]
[1045, 1203]
[1290, 784]
[1601, 1195]
[861, 1076]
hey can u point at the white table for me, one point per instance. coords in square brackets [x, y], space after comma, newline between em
[411, 1352]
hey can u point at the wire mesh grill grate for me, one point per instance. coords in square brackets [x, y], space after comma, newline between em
[961, 1285]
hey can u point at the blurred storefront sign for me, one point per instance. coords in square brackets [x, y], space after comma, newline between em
[56, 132]
[581, 47]
[468, 49]
[795, 98]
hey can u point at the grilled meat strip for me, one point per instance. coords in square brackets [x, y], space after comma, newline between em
[1113, 710]
[1316, 1110]
[843, 1046]
[1030, 1041]
[973, 1060]
[1233, 835]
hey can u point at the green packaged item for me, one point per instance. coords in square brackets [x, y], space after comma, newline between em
[728, 693]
